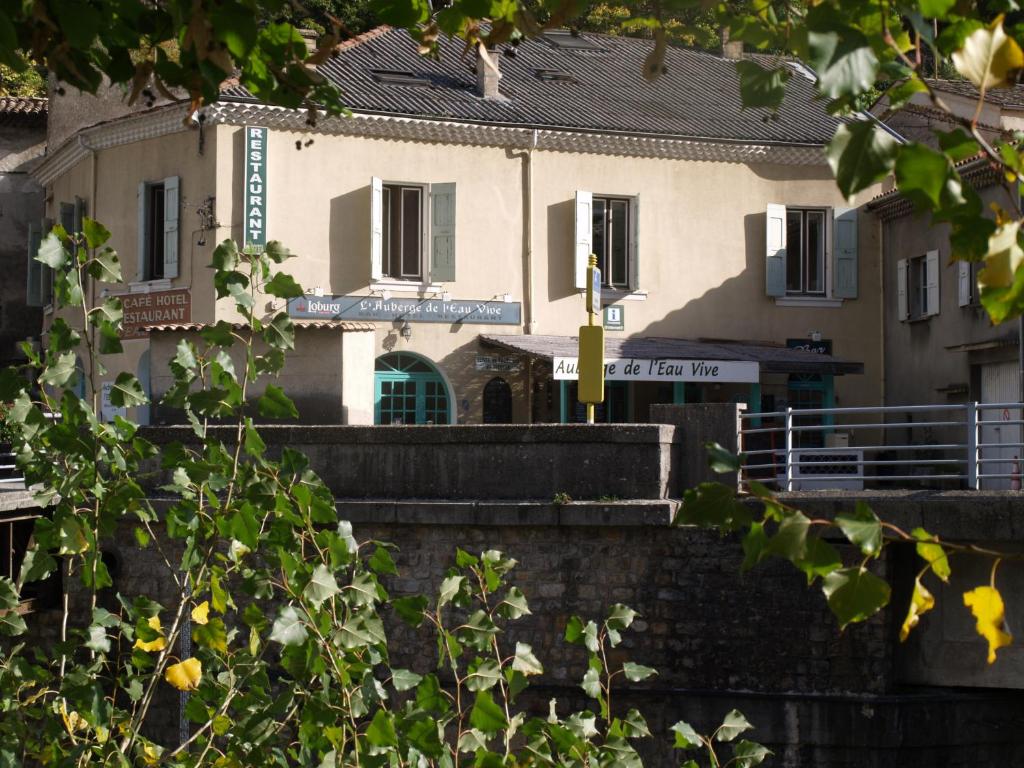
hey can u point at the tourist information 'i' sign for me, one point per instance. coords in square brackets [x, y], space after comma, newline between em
[255, 237]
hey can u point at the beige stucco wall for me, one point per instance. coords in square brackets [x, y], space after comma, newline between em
[702, 243]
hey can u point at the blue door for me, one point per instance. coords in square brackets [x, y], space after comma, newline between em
[409, 390]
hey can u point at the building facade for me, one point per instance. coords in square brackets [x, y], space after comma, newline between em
[442, 232]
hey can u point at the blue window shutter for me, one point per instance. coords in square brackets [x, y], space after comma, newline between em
[67, 217]
[376, 228]
[845, 261]
[775, 256]
[143, 273]
[634, 244]
[171, 207]
[902, 304]
[34, 284]
[442, 233]
[584, 239]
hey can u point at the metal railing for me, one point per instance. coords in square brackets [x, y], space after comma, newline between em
[972, 445]
[10, 475]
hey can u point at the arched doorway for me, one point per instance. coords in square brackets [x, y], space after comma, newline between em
[497, 402]
[409, 390]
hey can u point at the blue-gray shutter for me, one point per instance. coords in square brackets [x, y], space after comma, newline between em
[171, 207]
[442, 233]
[775, 256]
[34, 281]
[143, 273]
[584, 239]
[634, 244]
[845, 262]
[376, 228]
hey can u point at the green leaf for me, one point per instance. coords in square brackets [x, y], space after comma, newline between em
[483, 676]
[127, 392]
[96, 235]
[790, 541]
[381, 562]
[722, 460]
[525, 661]
[288, 627]
[449, 589]
[60, 371]
[748, 754]
[820, 559]
[755, 542]
[860, 154]
[635, 726]
[713, 505]
[429, 696]
[254, 444]
[637, 672]
[957, 144]
[410, 609]
[620, 617]
[321, 587]
[514, 604]
[929, 550]
[51, 252]
[404, 680]
[279, 333]
[486, 715]
[855, 594]
[591, 684]
[274, 404]
[685, 736]
[381, 731]
[921, 175]
[845, 63]
[732, 726]
[96, 639]
[212, 635]
[283, 286]
[761, 87]
[863, 529]
[989, 57]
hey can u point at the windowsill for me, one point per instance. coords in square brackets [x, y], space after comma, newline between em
[919, 318]
[808, 301]
[148, 286]
[406, 286]
[617, 294]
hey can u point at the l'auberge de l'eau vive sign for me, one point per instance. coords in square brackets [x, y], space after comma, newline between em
[254, 239]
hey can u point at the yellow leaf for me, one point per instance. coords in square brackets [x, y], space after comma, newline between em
[920, 603]
[1003, 257]
[185, 675]
[72, 720]
[151, 753]
[987, 606]
[989, 57]
[201, 613]
[152, 645]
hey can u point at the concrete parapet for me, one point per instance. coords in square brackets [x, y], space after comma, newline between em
[701, 423]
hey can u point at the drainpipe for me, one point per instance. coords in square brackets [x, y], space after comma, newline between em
[93, 212]
[530, 324]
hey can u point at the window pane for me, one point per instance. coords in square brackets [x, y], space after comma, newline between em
[815, 252]
[600, 239]
[387, 239]
[619, 243]
[410, 232]
[794, 250]
[155, 239]
[393, 223]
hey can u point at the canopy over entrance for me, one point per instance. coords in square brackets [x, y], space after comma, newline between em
[735, 358]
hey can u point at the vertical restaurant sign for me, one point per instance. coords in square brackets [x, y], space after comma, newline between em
[254, 239]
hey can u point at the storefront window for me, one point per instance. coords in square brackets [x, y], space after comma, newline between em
[409, 390]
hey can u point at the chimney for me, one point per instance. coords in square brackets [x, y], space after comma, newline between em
[731, 49]
[487, 74]
[309, 38]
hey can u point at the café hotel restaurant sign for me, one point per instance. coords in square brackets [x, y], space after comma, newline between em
[639, 369]
[156, 308]
[476, 311]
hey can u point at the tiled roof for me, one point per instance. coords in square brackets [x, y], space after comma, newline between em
[773, 358]
[343, 325]
[1003, 97]
[22, 111]
[697, 97]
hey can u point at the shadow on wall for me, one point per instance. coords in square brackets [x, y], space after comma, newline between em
[561, 249]
[459, 367]
[349, 272]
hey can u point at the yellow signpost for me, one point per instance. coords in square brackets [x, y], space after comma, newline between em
[591, 358]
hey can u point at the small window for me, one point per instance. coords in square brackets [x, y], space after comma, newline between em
[568, 39]
[556, 75]
[158, 229]
[805, 251]
[395, 77]
[497, 402]
[918, 286]
[403, 232]
[154, 232]
[611, 233]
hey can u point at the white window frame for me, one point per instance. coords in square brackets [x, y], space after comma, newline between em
[826, 298]
[603, 257]
[584, 245]
[424, 262]
[826, 252]
[918, 287]
[170, 236]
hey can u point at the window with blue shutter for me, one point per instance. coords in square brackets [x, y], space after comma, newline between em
[442, 233]
[775, 256]
[158, 217]
[845, 228]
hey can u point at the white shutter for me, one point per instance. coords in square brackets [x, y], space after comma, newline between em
[932, 282]
[775, 254]
[901, 289]
[376, 228]
[45, 272]
[34, 283]
[584, 237]
[963, 283]
[845, 257]
[442, 233]
[143, 226]
[171, 186]
[634, 249]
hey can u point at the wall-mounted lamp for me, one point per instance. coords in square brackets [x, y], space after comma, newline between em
[406, 330]
[318, 290]
[507, 298]
[815, 335]
[446, 296]
[386, 295]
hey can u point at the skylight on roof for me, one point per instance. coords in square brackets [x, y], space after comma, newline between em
[396, 77]
[568, 40]
[555, 75]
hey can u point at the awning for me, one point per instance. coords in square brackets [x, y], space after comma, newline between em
[771, 358]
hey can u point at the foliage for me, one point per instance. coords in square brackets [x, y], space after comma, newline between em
[770, 528]
[27, 82]
[286, 613]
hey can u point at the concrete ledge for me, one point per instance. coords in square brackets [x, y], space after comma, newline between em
[15, 499]
[623, 514]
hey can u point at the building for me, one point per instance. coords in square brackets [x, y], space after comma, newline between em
[442, 232]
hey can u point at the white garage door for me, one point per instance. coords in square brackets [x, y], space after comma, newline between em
[1000, 383]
